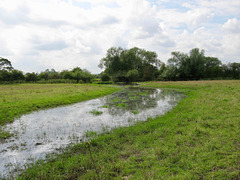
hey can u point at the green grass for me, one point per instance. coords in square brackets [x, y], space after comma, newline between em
[199, 139]
[121, 105]
[96, 112]
[135, 112]
[19, 99]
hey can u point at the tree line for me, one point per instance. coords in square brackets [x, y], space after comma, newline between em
[196, 65]
[135, 64]
[76, 75]
[140, 65]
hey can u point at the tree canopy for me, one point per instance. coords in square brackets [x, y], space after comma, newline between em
[130, 64]
[196, 65]
[5, 64]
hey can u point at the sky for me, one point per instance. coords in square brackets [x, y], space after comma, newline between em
[36, 35]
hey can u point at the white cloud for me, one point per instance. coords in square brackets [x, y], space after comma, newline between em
[60, 34]
[232, 26]
[197, 17]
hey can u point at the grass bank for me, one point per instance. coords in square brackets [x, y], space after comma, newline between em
[19, 99]
[199, 139]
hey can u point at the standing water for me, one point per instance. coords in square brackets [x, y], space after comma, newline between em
[43, 132]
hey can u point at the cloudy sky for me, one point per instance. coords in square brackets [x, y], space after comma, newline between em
[42, 34]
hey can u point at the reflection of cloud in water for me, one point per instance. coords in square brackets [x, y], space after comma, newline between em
[42, 132]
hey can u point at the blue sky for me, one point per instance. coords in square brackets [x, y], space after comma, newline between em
[62, 34]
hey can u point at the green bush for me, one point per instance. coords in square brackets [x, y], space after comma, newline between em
[105, 77]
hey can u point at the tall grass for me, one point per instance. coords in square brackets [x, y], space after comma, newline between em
[199, 139]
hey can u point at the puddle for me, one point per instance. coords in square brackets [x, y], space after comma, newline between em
[46, 131]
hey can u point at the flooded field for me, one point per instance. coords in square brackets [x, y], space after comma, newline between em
[46, 131]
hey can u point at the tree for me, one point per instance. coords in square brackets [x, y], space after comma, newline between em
[5, 64]
[78, 74]
[212, 67]
[65, 74]
[105, 77]
[196, 63]
[43, 75]
[235, 70]
[178, 66]
[170, 73]
[118, 62]
[132, 75]
[86, 76]
[31, 77]
[5, 75]
[182, 66]
[17, 75]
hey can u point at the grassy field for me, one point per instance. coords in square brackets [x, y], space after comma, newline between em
[199, 139]
[16, 100]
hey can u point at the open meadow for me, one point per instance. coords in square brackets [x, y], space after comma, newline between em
[199, 139]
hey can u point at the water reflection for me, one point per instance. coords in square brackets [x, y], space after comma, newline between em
[43, 132]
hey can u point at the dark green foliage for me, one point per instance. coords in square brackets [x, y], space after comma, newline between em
[105, 77]
[132, 75]
[5, 75]
[196, 66]
[5, 64]
[8, 73]
[129, 65]
[31, 77]
[235, 70]
[77, 74]
[212, 67]
[17, 75]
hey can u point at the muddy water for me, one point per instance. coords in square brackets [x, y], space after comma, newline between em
[45, 131]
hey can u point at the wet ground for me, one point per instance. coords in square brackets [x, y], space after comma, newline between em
[43, 132]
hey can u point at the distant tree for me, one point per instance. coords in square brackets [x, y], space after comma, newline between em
[31, 77]
[212, 67]
[5, 76]
[86, 76]
[170, 73]
[76, 69]
[226, 71]
[182, 66]
[17, 75]
[105, 77]
[79, 74]
[235, 70]
[178, 67]
[162, 68]
[5, 64]
[118, 62]
[196, 63]
[43, 75]
[132, 75]
[65, 74]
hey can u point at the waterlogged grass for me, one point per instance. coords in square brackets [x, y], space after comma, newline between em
[199, 139]
[96, 112]
[105, 106]
[121, 105]
[19, 99]
[135, 112]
